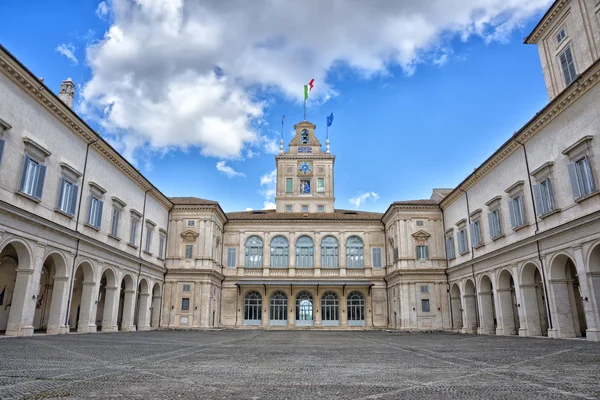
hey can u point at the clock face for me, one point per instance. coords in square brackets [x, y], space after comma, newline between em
[305, 167]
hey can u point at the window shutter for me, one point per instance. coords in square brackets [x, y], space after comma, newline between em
[491, 224]
[24, 172]
[513, 216]
[39, 187]
[73, 204]
[426, 248]
[574, 180]
[99, 213]
[61, 194]
[588, 171]
[539, 200]
[551, 203]
[473, 235]
[1, 149]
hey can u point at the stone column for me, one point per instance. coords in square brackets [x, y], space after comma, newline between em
[128, 310]
[144, 312]
[173, 304]
[317, 317]
[87, 308]
[507, 322]
[111, 309]
[486, 312]
[317, 254]
[154, 322]
[560, 305]
[242, 256]
[58, 306]
[267, 254]
[166, 306]
[292, 254]
[531, 321]
[197, 304]
[342, 253]
[590, 304]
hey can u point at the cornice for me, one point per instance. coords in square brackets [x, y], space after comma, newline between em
[546, 21]
[202, 207]
[301, 222]
[582, 85]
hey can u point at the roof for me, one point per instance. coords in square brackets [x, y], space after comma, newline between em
[540, 22]
[189, 201]
[341, 215]
[417, 202]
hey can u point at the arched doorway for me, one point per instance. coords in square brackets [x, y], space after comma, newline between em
[356, 309]
[457, 318]
[330, 309]
[470, 307]
[107, 300]
[12, 296]
[487, 306]
[304, 309]
[278, 312]
[507, 299]
[81, 311]
[252, 308]
[142, 322]
[155, 314]
[570, 315]
[534, 301]
[126, 304]
[50, 295]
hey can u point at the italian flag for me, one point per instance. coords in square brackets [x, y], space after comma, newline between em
[308, 88]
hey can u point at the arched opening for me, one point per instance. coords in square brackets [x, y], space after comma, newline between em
[470, 306]
[254, 252]
[12, 296]
[457, 318]
[304, 252]
[279, 252]
[507, 299]
[81, 316]
[487, 306]
[252, 308]
[50, 295]
[304, 309]
[155, 313]
[594, 281]
[142, 321]
[534, 301]
[126, 304]
[568, 301]
[278, 312]
[355, 257]
[330, 309]
[105, 308]
[329, 252]
[356, 309]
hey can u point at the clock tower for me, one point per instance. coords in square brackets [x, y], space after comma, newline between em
[304, 174]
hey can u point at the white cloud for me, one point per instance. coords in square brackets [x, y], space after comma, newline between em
[180, 73]
[269, 181]
[68, 50]
[102, 10]
[249, 209]
[227, 170]
[251, 154]
[269, 205]
[362, 198]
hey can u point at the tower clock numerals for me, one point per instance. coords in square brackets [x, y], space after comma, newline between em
[305, 167]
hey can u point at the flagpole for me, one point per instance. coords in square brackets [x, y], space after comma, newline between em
[305, 108]
[281, 151]
[326, 129]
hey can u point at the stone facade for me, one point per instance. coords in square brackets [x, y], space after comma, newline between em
[87, 243]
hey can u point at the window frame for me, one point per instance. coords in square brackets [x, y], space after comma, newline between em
[279, 252]
[355, 252]
[135, 218]
[320, 185]
[570, 67]
[162, 241]
[189, 247]
[422, 252]
[34, 154]
[449, 245]
[376, 256]
[330, 253]
[423, 307]
[289, 186]
[305, 252]
[231, 257]
[253, 249]
[185, 301]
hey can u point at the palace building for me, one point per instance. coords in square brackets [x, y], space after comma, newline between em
[88, 244]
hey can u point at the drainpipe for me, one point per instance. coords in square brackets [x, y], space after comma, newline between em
[69, 297]
[387, 300]
[162, 296]
[446, 270]
[472, 257]
[537, 242]
[137, 287]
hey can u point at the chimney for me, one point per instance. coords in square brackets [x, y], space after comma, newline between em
[67, 92]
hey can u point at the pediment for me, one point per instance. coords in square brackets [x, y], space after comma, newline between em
[421, 236]
[189, 235]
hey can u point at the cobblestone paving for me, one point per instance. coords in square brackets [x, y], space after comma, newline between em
[296, 365]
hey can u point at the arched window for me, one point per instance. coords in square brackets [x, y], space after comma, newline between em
[304, 309]
[254, 252]
[356, 309]
[278, 313]
[252, 308]
[304, 252]
[354, 253]
[330, 309]
[279, 252]
[329, 253]
[304, 136]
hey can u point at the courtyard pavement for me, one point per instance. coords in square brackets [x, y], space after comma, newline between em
[296, 365]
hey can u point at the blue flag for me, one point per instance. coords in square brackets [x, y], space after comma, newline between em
[330, 119]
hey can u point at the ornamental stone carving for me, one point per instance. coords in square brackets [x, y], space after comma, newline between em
[189, 236]
[421, 237]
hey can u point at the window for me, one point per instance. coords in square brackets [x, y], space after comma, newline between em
[544, 197]
[582, 180]
[425, 305]
[289, 208]
[396, 255]
[116, 217]
[1, 144]
[186, 287]
[356, 309]
[377, 257]
[279, 252]
[419, 222]
[289, 185]
[422, 252]
[450, 247]
[304, 136]
[304, 252]
[278, 311]
[67, 198]
[189, 251]
[191, 222]
[424, 289]
[185, 304]
[330, 309]
[32, 177]
[161, 245]
[254, 252]
[568, 66]
[494, 224]
[135, 219]
[461, 238]
[320, 208]
[515, 206]
[231, 257]
[252, 308]
[476, 233]
[354, 252]
[320, 185]
[148, 238]
[561, 35]
[329, 252]
[304, 208]
[95, 211]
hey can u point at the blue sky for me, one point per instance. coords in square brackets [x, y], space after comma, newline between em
[409, 116]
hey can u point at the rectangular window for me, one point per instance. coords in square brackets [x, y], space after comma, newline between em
[582, 180]
[191, 222]
[561, 35]
[494, 224]
[1, 146]
[424, 288]
[425, 305]
[189, 251]
[568, 66]
[419, 222]
[396, 256]
[161, 246]
[321, 208]
[461, 238]
[320, 185]
[422, 252]
[231, 257]
[186, 287]
[289, 185]
[67, 200]
[544, 197]
[133, 232]
[377, 257]
[95, 212]
[450, 247]
[515, 206]
[185, 304]
[476, 233]
[148, 239]
[32, 177]
[304, 208]
[116, 217]
[288, 208]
